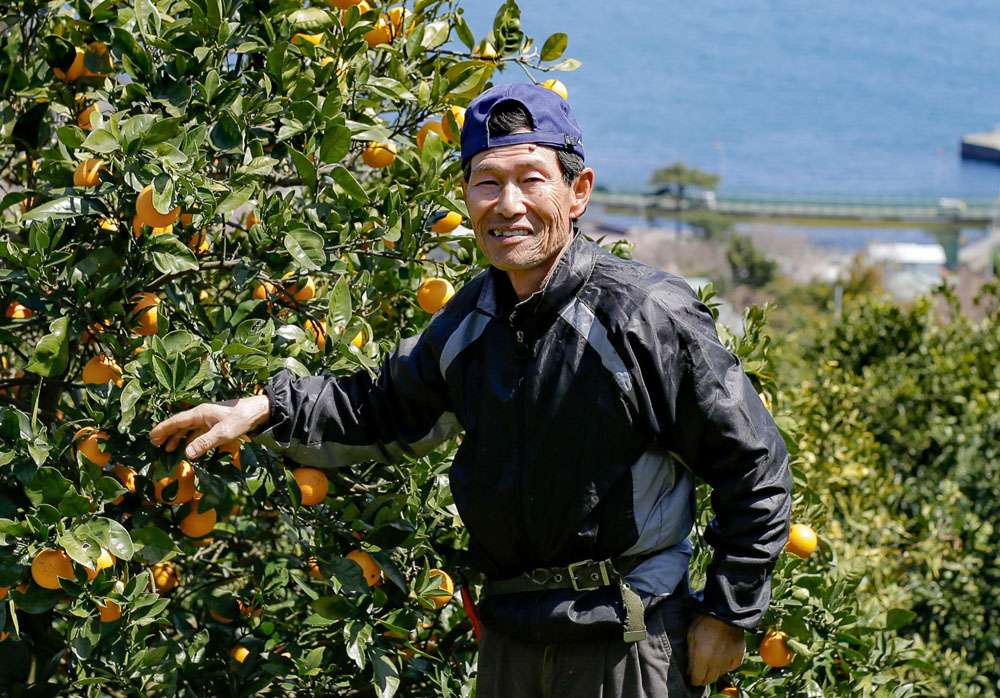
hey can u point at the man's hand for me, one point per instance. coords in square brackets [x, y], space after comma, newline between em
[213, 424]
[714, 648]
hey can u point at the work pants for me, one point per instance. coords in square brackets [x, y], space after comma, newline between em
[604, 668]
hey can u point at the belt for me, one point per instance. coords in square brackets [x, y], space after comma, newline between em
[583, 576]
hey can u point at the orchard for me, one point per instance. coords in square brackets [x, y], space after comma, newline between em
[195, 195]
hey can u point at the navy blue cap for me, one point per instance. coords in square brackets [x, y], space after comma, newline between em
[555, 125]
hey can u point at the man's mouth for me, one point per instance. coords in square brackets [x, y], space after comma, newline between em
[510, 232]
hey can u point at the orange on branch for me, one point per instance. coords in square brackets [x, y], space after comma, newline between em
[314, 39]
[165, 577]
[434, 126]
[379, 155]
[17, 311]
[774, 651]
[239, 653]
[198, 242]
[145, 314]
[104, 561]
[147, 213]
[49, 566]
[101, 369]
[557, 86]
[88, 442]
[456, 114]
[197, 525]
[433, 294]
[313, 485]
[802, 540]
[304, 292]
[447, 223]
[445, 584]
[86, 173]
[317, 331]
[110, 611]
[370, 568]
[233, 449]
[83, 119]
[184, 476]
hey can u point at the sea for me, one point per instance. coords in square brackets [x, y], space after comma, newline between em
[845, 97]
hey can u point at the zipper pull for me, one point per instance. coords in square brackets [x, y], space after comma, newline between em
[519, 335]
[521, 349]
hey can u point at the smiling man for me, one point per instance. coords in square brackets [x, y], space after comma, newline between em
[591, 391]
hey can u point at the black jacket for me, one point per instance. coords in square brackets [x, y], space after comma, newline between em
[587, 409]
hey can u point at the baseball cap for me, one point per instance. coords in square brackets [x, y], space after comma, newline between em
[555, 125]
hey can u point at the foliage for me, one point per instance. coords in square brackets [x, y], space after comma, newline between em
[678, 177]
[749, 265]
[253, 118]
[711, 226]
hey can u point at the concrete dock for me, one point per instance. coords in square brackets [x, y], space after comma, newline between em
[982, 146]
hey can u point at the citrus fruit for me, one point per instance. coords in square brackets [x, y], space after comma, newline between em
[556, 86]
[239, 653]
[99, 49]
[445, 584]
[456, 114]
[381, 33]
[358, 340]
[397, 17]
[184, 476]
[198, 242]
[370, 568]
[48, 566]
[434, 126]
[486, 50]
[434, 293]
[165, 577]
[363, 9]
[86, 173]
[224, 610]
[312, 566]
[313, 485]
[197, 525]
[233, 449]
[126, 475]
[16, 311]
[90, 332]
[101, 369]
[263, 290]
[251, 220]
[104, 561]
[137, 228]
[148, 215]
[447, 223]
[110, 611]
[730, 692]
[801, 540]
[4, 636]
[379, 155]
[344, 4]
[313, 39]
[145, 313]
[317, 331]
[305, 292]
[76, 69]
[83, 119]
[3, 592]
[773, 649]
[87, 441]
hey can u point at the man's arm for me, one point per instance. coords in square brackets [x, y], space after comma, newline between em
[331, 421]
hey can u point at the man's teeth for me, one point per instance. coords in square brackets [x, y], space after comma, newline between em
[501, 233]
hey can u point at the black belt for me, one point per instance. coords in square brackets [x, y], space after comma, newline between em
[583, 576]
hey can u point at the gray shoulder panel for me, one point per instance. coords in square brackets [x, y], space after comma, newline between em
[582, 319]
[467, 332]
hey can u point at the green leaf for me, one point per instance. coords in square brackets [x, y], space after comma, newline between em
[47, 486]
[897, 618]
[226, 136]
[153, 545]
[340, 303]
[234, 200]
[554, 47]
[311, 19]
[306, 247]
[170, 255]
[464, 33]
[66, 207]
[336, 144]
[343, 177]
[567, 65]
[100, 140]
[258, 167]
[51, 355]
[70, 136]
[386, 675]
[436, 34]
[334, 607]
[305, 168]
[147, 17]
[109, 534]
[162, 130]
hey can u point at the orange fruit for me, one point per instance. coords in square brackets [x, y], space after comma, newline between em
[313, 567]
[486, 50]
[434, 293]
[313, 485]
[239, 653]
[137, 228]
[198, 242]
[145, 313]
[318, 332]
[456, 114]
[126, 475]
[3, 592]
[344, 4]
[148, 215]
[445, 584]
[730, 692]
[774, 651]
[105, 561]
[434, 126]
[556, 86]
[165, 577]
[83, 120]
[86, 173]
[263, 290]
[233, 449]
[224, 610]
[76, 69]
[101, 369]
[447, 223]
[184, 475]
[358, 340]
[313, 39]
[49, 565]
[305, 292]
[379, 155]
[249, 610]
[86, 441]
[4, 636]
[801, 540]
[99, 49]
[197, 525]
[110, 611]
[363, 9]
[397, 17]
[372, 572]
[91, 331]
[16, 311]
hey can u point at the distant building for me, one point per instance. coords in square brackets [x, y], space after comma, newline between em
[908, 269]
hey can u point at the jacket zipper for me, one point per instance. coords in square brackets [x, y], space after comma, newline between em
[521, 353]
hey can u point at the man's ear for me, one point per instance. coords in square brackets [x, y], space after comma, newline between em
[583, 187]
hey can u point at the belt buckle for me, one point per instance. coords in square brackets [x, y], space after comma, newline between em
[605, 579]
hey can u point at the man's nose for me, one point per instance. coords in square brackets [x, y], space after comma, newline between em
[510, 203]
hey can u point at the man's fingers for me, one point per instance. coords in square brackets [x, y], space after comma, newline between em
[182, 421]
[736, 663]
[215, 436]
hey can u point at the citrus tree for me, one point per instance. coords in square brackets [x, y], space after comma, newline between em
[197, 194]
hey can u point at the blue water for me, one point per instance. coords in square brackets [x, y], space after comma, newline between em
[841, 96]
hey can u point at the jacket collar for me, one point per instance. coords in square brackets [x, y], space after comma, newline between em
[497, 299]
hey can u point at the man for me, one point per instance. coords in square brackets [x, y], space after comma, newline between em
[591, 391]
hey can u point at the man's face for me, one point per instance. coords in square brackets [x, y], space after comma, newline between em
[521, 208]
